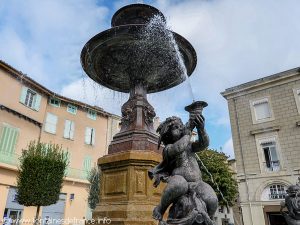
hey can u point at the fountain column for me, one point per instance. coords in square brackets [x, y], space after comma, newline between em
[137, 132]
[127, 195]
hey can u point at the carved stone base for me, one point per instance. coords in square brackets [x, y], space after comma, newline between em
[135, 140]
[127, 195]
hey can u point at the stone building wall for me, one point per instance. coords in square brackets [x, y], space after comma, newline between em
[250, 136]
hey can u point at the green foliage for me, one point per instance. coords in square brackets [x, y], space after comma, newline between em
[41, 172]
[216, 164]
[94, 179]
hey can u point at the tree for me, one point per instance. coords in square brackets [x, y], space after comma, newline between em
[94, 190]
[215, 163]
[41, 172]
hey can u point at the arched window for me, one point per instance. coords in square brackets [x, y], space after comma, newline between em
[277, 191]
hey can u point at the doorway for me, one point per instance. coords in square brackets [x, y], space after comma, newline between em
[12, 216]
[276, 219]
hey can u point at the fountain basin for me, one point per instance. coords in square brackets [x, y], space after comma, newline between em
[112, 58]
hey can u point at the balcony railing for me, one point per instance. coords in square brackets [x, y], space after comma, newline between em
[13, 159]
[9, 158]
[272, 166]
[280, 195]
[77, 173]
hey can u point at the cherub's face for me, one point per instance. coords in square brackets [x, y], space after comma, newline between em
[176, 132]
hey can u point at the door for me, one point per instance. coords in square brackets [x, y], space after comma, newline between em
[54, 214]
[14, 216]
[276, 219]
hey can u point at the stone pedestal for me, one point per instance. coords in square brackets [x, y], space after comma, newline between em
[127, 194]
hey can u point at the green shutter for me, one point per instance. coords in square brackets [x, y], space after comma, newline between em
[8, 139]
[23, 94]
[3, 140]
[37, 102]
[68, 155]
[87, 166]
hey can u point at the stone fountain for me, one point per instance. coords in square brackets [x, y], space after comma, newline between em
[129, 58]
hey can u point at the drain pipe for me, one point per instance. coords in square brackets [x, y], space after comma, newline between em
[243, 162]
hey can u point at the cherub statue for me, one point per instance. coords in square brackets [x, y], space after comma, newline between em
[193, 201]
[292, 203]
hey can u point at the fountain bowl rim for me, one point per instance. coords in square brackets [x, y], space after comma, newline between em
[113, 32]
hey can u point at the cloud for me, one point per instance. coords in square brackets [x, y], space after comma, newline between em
[228, 148]
[236, 42]
[44, 38]
[86, 90]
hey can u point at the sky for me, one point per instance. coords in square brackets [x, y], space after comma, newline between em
[235, 41]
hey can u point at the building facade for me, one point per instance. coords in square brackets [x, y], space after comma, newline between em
[265, 123]
[31, 112]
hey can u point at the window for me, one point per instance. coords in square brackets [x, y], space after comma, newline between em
[72, 109]
[270, 156]
[30, 95]
[8, 139]
[30, 98]
[54, 102]
[50, 124]
[15, 197]
[92, 114]
[277, 191]
[262, 109]
[225, 221]
[69, 129]
[297, 98]
[90, 136]
[221, 209]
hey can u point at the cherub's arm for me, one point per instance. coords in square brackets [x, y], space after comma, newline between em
[203, 139]
[178, 147]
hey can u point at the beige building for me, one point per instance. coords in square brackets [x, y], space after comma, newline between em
[29, 111]
[265, 123]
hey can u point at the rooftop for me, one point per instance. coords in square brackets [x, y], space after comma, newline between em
[261, 81]
[24, 77]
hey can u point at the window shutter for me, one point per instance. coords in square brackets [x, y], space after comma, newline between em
[51, 121]
[86, 166]
[273, 154]
[13, 140]
[262, 111]
[93, 136]
[9, 139]
[87, 163]
[68, 156]
[4, 137]
[37, 102]
[23, 94]
[88, 135]
[67, 129]
[72, 128]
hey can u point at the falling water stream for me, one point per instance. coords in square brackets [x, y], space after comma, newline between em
[158, 34]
